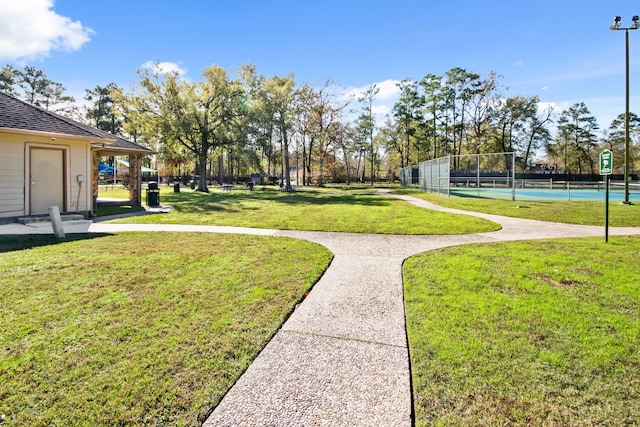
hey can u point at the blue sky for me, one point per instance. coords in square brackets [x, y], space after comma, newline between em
[560, 50]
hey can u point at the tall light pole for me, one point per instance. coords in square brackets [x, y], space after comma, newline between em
[627, 157]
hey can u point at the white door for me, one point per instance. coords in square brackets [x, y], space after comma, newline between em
[47, 180]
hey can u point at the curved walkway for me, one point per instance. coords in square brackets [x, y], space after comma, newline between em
[342, 357]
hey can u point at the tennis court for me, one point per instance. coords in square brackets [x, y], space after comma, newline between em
[538, 191]
[492, 176]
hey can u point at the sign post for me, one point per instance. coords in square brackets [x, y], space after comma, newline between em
[606, 166]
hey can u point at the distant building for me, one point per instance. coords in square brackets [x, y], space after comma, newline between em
[542, 169]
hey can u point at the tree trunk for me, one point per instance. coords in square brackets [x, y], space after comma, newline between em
[304, 163]
[230, 166]
[435, 135]
[285, 142]
[309, 158]
[202, 166]
[372, 164]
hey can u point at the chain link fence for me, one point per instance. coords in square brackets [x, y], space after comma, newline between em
[464, 174]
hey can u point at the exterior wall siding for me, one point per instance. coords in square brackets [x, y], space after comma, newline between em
[14, 172]
[79, 165]
[12, 201]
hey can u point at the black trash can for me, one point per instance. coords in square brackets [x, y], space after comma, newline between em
[153, 185]
[176, 187]
[153, 197]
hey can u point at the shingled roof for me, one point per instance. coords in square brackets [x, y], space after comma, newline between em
[19, 115]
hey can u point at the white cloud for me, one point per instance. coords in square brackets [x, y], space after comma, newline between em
[29, 29]
[543, 106]
[381, 110]
[165, 67]
[604, 109]
[388, 94]
[387, 90]
[519, 63]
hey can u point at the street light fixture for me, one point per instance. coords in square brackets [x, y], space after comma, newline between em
[627, 158]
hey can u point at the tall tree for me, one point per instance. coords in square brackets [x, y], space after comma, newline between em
[576, 128]
[259, 112]
[244, 136]
[433, 102]
[348, 143]
[558, 148]
[193, 114]
[53, 94]
[509, 121]
[306, 100]
[38, 90]
[392, 137]
[458, 92]
[8, 76]
[102, 112]
[32, 81]
[366, 124]
[325, 109]
[483, 100]
[281, 95]
[537, 133]
[408, 115]
[517, 127]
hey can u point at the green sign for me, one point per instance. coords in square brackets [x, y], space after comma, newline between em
[606, 162]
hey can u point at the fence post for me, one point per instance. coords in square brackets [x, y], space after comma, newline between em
[513, 176]
[478, 174]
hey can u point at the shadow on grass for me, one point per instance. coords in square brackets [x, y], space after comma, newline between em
[18, 242]
[117, 209]
[238, 201]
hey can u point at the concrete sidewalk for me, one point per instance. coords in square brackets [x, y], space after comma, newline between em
[342, 358]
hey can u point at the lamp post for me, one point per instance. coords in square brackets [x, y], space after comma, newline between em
[627, 158]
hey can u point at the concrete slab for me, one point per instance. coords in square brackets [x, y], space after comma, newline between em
[311, 380]
[78, 226]
[358, 298]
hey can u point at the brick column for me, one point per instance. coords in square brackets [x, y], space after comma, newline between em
[135, 179]
[95, 178]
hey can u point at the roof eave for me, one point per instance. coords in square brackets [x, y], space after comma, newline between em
[116, 151]
[54, 135]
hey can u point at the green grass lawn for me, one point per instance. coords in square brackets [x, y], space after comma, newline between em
[120, 209]
[334, 209]
[153, 328]
[584, 213]
[526, 333]
[114, 192]
[139, 329]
